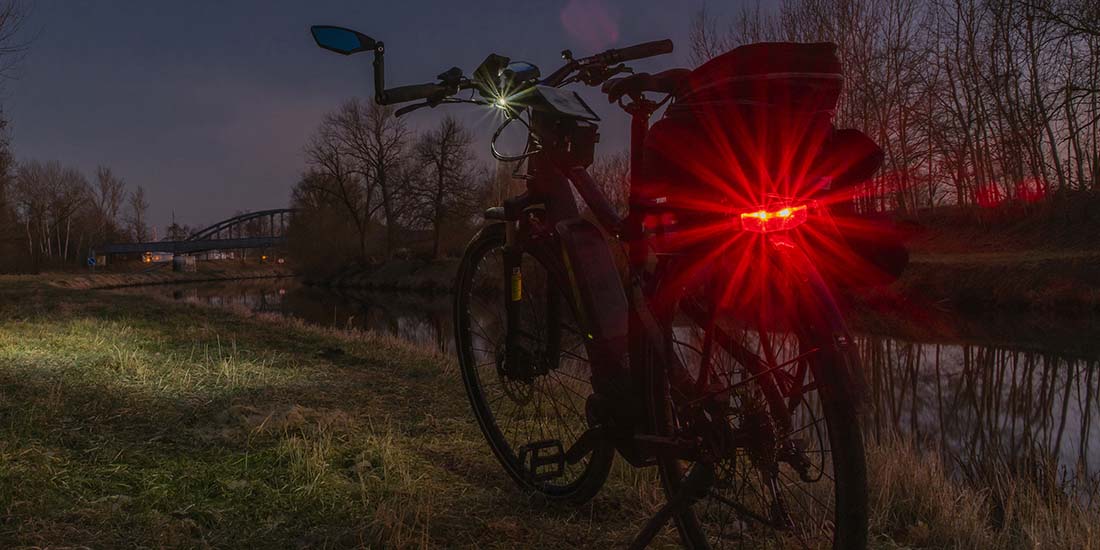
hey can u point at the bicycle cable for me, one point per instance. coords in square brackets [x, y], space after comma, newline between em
[527, 149]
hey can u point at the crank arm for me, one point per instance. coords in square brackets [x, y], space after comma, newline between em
[586, 443]
[655, 445]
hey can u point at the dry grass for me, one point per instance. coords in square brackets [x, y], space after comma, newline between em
[914, 502]
[126, 422]
[130, 423]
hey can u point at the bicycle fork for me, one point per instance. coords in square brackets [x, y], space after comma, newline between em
[513, 273]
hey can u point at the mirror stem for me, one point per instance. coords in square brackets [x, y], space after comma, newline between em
[379, 73]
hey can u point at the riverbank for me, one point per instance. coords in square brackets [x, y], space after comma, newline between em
[135, 422]
[159, 274]
[1034, 280]
[1042, 258]
[1062, 281]
[1036, 258]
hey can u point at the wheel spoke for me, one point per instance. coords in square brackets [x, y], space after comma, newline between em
[760, 369]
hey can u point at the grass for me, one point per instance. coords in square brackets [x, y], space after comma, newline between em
[915, 503]
[131, 273]
[126, 422]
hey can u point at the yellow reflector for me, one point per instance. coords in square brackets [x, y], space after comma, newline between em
[517, 284]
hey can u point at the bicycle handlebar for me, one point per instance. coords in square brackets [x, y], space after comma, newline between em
[402, 94]
[435, 91]
[630, 53]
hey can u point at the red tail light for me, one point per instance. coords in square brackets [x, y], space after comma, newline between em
[780, 219]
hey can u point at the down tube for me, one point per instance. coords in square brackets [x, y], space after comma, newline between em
[602, 307]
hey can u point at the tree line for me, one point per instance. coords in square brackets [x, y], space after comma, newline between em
[975, 102]
[52, 215]
[373, 188]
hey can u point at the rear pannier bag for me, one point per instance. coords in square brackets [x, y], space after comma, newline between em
[752, 123]
[806, 77]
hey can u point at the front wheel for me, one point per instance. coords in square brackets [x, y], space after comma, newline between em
[529, 400]
[771, 398]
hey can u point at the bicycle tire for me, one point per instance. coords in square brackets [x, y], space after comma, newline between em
[585, 481]
[835, 367]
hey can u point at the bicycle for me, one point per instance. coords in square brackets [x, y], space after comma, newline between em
[749, 413]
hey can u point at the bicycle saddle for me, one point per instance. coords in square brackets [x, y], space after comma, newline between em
[665, 82]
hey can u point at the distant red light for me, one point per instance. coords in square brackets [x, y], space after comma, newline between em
[1031, 190]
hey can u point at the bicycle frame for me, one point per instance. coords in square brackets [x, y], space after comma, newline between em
[614, 314]
[626, 323]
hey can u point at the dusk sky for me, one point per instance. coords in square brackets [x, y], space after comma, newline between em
[208, 104]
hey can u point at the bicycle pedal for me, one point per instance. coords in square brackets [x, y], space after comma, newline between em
[543, 460]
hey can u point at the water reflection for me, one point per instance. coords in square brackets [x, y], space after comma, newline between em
[424, 320]
[1020, 407]
[1027, 410]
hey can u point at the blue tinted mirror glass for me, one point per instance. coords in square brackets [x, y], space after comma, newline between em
[521, 67]
[339, 40]
[517, 73]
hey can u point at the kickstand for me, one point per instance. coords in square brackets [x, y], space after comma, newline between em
[694, 487]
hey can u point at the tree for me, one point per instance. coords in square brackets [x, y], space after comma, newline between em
[377, 141]
[48, 199]
[973, 101]
[317, 230]
[136, 221]
[449, 184]
[178, 232]
[334, 174]
[12, 16]
[612, 175]
[108, 193]
[12, 48]
[10, 247]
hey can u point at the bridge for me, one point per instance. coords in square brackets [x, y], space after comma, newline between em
[253, 230]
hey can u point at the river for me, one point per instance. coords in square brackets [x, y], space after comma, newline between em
[986, 395]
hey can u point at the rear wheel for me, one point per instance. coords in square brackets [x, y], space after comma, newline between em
[532, 410]
[774, 408]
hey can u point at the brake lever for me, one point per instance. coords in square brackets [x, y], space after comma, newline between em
[433, 104]
[594, 76]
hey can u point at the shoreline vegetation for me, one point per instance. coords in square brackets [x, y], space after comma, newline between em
[1058, 282]
[162, 274]
[1045, 260]
[1067, 283]
[133, 422]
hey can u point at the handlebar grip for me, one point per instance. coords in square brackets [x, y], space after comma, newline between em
[639, 51]
[401, 94]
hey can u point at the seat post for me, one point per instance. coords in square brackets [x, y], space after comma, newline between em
[640, 110]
